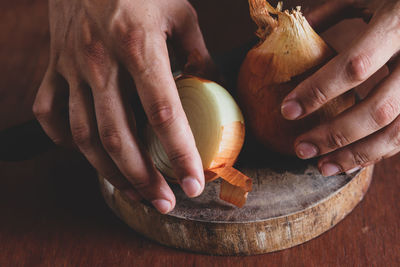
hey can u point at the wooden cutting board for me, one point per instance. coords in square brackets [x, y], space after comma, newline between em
[290, 204]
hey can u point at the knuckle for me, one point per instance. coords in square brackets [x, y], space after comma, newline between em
[131, 41]
[133, 44]
[120, 28]
[66, 66]
[358, 68]
[111, 139]
[140, 184]
[316, 96]
[42, 111]
[336, 139]
[62, 66]
[134, 47]
[94, 52]
[359, 158]
[385, 112]
[179, 158]
[161, 115]
[81, 135]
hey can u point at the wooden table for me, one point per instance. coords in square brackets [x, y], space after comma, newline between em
[53, 213]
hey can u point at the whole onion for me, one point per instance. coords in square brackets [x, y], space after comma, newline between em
[288, 52]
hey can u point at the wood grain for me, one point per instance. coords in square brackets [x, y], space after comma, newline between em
[284, 209]
[53, 213]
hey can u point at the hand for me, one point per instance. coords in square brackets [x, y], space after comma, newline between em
[370, 130]
[93, 43]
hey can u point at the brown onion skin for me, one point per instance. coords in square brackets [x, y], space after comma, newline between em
[260, 102]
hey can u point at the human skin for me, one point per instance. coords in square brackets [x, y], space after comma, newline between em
[93, 44]
[370, 130]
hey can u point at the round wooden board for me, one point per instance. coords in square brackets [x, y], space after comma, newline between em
[290, 204]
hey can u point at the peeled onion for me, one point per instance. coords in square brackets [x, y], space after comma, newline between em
[288, 52]
[218, 128]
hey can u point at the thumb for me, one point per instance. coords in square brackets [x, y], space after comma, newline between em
[191, 48]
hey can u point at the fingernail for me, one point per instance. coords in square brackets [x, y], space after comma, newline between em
[306, 150]
[291, 110]
[191, 187]
[351, 171]
[329, 169]
[162, 205]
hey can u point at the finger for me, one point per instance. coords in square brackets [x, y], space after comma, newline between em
[363, 153]
[85, 135]
[116, 131]
[328, 14]
[50, 107]
[188, 39]
[115, 124]
[149, 65]
[364, 57]
[121, 144]
[378, 110]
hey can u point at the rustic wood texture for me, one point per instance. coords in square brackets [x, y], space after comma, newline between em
[54, 215]
[287, 207]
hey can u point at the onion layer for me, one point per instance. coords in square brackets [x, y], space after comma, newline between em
[218, 128]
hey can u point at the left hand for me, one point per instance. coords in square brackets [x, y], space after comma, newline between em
[370, 130]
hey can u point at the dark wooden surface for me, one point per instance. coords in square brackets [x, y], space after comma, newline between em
[52, 213]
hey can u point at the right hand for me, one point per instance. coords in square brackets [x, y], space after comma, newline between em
[92, 44]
